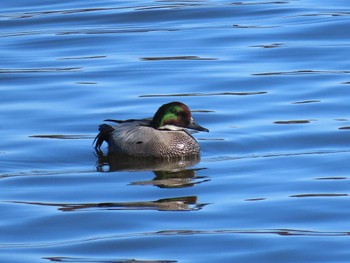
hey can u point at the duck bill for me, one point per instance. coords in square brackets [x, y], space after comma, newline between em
[195, 126]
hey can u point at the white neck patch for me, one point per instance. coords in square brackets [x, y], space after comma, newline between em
[171, 128]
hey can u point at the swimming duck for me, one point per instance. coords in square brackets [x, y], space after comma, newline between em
[163, 136]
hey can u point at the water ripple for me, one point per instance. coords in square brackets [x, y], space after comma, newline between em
[98, 260]
[184, 232]
[273, 155]
[332, 14]
[306, 101]
[319, 195]
[204, 94]
[86, 31]
[344, 128]
[176, 58]
[293, 122]
[253, 26]
[59, 136]
[261, 3]
[302, 72]
[39, 70]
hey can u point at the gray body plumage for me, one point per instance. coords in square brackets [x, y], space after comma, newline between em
[137, 138]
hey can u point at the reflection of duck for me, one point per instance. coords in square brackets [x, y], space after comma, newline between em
[168, 173]
[186, 203]
[174, 179]
[118, 162]
[163, 136]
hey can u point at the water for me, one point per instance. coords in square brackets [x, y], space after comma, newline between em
[269, 79]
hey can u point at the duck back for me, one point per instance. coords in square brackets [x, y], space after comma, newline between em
[138, 139]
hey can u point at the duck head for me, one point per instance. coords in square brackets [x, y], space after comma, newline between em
[175, 116]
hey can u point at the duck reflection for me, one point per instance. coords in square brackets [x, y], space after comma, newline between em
[187, 203]
[169, 173]
[118, 162]
[174, 179]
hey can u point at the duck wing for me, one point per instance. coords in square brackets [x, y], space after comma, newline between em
[145, 121]
[106, 130]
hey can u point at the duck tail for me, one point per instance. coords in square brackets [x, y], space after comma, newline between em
[105, 131]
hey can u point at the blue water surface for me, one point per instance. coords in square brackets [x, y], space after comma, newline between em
[269, 79]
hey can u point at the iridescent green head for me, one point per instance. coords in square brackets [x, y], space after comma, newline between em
[175, 115]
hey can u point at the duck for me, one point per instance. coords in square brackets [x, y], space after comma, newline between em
[165, 135]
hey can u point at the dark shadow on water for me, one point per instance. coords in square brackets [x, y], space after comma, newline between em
[332, 178]
[302, 72]
[293, 122]
[176, 58]
[344, 128]
[90, 260]
[38, 70]
[197, 94]
[260, 3]
[113, 31]
[252, 26]
[320, 195]
[61, 136]
[279, 232]
[273, 45]
[306, 101]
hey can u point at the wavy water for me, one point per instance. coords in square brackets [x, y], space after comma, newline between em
[269, 79]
